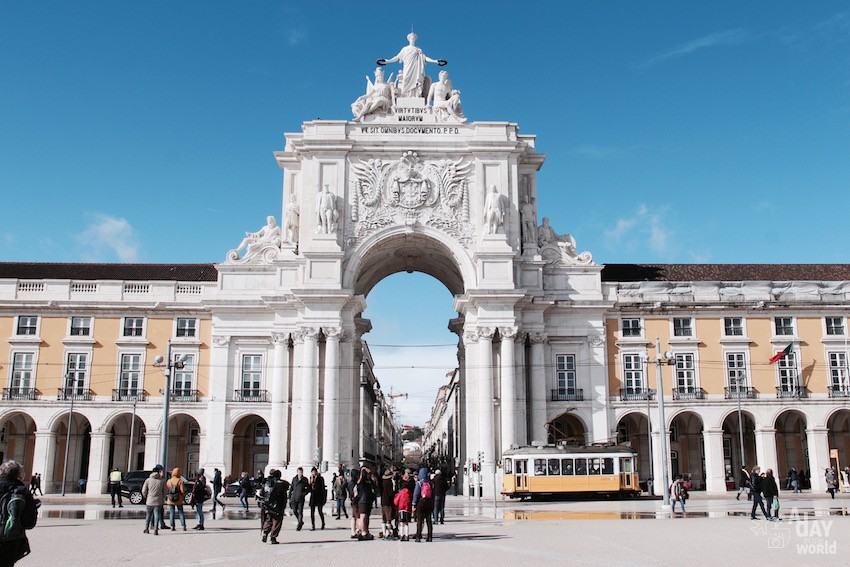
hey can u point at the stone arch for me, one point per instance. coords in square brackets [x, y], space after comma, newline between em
[566, 427]
[733, 459]
[791, 441]
[838, 427]
[126, 447]
[18, 438]
[184, 440]
[401, 248]
[79, 450]
[685, 431]
[633, 429]
[250, 443]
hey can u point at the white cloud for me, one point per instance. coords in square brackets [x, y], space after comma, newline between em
[295, 36]
[108, 238]
[645, 227]
[716, 39]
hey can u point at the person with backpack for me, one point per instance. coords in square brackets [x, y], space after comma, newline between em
[678, 493]
[366, 497]
[273, 504]
[423, 504]
[18, 513]
[153, 491]
[174, 493]
[199, 496]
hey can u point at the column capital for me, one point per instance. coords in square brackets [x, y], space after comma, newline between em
[713, 431]
[521, 336]
[280, 338]
[508, 333]
[538, 338]
[486, 333]
[103, 434]
[220, 340]
[470, 336]
[332, 333]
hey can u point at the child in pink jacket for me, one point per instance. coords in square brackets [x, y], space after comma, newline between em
[404, 504]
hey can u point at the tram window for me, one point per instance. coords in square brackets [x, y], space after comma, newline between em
[625, 464]
[594, 466]
[508, 468]
[581, 466]
[607, 465]
[567, 466]
[522, 466]
[554, 467]
[539, 467]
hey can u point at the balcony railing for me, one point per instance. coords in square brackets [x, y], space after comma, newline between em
[567, 395]
[19, 393]
[77, 394]
[743, 392]
[128, 395]
[184, 395]
[688, 393]
[630, 394]
[839, 391]
[791, 392]
[251, 395]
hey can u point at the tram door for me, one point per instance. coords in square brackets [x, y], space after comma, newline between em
[627, 478]
[521, 474]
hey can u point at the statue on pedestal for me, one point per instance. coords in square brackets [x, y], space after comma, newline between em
[326, 213]
[494, 212]
[293, 220]
[547, 238]
[412, 81]
[379, 97]
[445, 100]
[265, 242]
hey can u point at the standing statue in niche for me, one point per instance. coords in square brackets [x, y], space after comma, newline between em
[379, 97]
[445, 100]
[326, 213]
[494, 212]
[255, 243]
[293, 220]
[412, 81]
[529, 222]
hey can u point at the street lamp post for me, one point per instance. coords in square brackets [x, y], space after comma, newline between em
[132, 437]
[741, 377]
[167, 366]
[665, 452]
[67, 433]
[649, 488]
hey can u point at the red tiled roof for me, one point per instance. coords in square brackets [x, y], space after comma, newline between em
[120, 272]
[725, 272]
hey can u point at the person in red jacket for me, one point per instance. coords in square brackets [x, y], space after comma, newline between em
[404, 504]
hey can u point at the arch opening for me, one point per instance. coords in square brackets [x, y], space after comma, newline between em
[686, 448]
[250, 446]
[792, 448]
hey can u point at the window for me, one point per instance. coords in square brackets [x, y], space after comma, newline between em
[581, 466]
[554, 467]
[539, 467]
[22, 368]
[594, 468]
[509, 469]
[626, 464]
[733, 326]
[736, 367]
[75, 373]
[194, 436]
[565, 373]
[631, 327]
[682, 327]
[685, 375]
[261, 434]
[27, 325]
[130, 372]
[187, 327]
[784, 325]
[607, 465]
[134, 326]
[787, 366]
[567, 466]
[633, 372]
[80, 326]
[838, 371]
[184, 378]
[835, 325]
[251, 371]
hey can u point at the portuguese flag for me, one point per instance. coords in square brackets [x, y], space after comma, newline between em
[782, 354]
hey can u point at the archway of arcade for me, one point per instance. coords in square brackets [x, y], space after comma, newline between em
[184, 440]
[250, 446]
[732, 439]
[126, 449]
[77, 451]
[17, 440]
[838, 426]
[791, 443]
[687, 448]
[633, 429]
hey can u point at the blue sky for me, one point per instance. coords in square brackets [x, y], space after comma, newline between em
[675, 131]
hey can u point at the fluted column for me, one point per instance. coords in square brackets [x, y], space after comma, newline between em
[43, 458]
[330, 429]
[509, 403]
[219, 389]
[486, 409]
[309, 425]
[521, 419]
[538, 387]
[280, 389]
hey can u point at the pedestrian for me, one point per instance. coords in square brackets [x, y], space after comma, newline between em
[388, 513]
[355, 510]
[114, 486]
[245, 489]
[273, 505]
[34, 480]
[216, 492]
[199, 496]
[771, 493]
[423, 504]
[441, 487]
[404, 503]
[340, 490]
[318, 498]
[366, 496]
[831, 481]
[175, 492]
[38, 484]
[298, 490]
[678, 493]
[744, 484]
[82, 484]
[153, 491]
[794, 480]
[23, 513]
[755, 491]
[845, 474]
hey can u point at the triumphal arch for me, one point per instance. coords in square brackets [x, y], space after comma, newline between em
[408, 183]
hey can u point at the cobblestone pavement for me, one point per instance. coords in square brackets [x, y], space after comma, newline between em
[814, 531]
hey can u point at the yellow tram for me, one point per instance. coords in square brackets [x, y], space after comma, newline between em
[552, 470]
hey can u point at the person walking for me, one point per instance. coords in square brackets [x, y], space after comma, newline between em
[678, 493]
[423, 504]
[199, 496]
[216, 492]
[23, 513]
[366, 496]
[245, 489]
[298, 490]
[273, 505]
[756, 488]
[175, 491]
[831, 481]
[404, 504]
[153, 491]
[771, 493]
[744, 484]
[355, 511]
[441, 487]
[794, 480]
[318, 498]
[340, 491]
[388, 513]
[114, 486]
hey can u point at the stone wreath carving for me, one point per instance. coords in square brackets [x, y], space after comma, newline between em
[410, 192]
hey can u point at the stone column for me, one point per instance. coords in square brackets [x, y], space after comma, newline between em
[715, 473]
[330, 430]
[218, 389]
[509, 401]
[152, 440]
[486, 410]
[521, 420]
[309, 426]
[280, 390]
[470, 388]
[538, 388]
[43, 458]
[98, 461]
[765, 449]
[817, 440]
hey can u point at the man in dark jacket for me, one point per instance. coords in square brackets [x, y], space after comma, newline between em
[441, 486]
[756, 488]
[25, 509]
[216, 490]
[273, 504]
[770, 491]
[298, 491]
[199, 496]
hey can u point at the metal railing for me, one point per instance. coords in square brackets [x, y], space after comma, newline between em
[629, 394]
[184, 395]
[251, 395]
[791, 392]
[567, 395]
[688, 393]
[743, 392]
[19, 393]
[839, 391]
[79, 394]
[128, 395]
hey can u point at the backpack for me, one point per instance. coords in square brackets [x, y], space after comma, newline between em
[174, 492]
[17, 514]
[425, 490]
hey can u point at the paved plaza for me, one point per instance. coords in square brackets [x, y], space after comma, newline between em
[715, 532]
